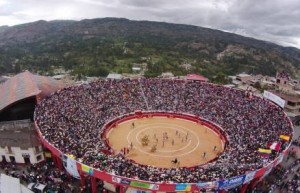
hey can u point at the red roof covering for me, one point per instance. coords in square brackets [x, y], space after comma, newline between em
[196, 77]
[25, 85]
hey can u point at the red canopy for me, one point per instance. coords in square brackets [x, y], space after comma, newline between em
[196, 77]
[25, 85]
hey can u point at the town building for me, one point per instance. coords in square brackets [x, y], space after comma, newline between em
[167, 75]
[18, 96]
[244, 77]
[114, 76]
[286, 88]
[282, 86]
[19, 142]
[136, 67]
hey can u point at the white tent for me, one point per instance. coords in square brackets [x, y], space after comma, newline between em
[9, 184]
[25, 189]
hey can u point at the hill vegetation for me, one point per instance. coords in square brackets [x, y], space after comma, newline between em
[98, 46]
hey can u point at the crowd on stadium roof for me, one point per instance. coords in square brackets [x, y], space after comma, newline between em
[71, 119]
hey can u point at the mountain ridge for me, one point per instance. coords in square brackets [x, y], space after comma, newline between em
[108, 19]
[191, 43]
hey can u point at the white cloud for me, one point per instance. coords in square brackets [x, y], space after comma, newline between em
[272, 20]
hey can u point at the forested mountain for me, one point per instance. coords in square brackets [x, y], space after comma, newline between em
[98, 46]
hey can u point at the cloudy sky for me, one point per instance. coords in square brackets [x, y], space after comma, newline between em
[272, 20]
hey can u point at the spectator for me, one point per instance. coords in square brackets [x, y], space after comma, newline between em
[72, 120]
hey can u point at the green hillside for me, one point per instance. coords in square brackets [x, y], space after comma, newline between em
[99, 46]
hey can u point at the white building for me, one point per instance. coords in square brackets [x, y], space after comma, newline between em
[114, 76]
[19, 142]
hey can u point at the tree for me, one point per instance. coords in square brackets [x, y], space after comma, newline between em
[220, 78]
[257, 85]
[17, 68]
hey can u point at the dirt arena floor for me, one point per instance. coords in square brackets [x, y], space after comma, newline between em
[184, 140]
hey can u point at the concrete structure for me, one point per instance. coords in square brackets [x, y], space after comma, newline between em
[19, 142]
[114, 76]
[244, 77]
[167, 75]
[285, 89]
[59, 76]
[292, 104]
[136, 67]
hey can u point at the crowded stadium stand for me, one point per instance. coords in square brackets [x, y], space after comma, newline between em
[72, 120]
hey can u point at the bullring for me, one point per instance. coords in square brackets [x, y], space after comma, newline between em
[71, 121]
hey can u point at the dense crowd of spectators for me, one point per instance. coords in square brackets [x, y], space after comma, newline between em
[285, 177]
[47, 174]
[72, 120]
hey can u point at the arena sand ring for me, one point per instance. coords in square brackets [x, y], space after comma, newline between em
[173, 138]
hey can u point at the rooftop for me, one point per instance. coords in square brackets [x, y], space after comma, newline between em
[196, 77]
[243, 75]
[26, 85]
[18, 134]
[287, 97]
[114, 76]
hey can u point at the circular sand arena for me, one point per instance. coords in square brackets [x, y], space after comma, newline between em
[157, 141]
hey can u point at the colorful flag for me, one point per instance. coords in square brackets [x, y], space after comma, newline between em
[261, 150]
[87, 169]
[183, 187]
[275, 146]
[284, 137]
[264, 152]
[71, 167]
[71, 156]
